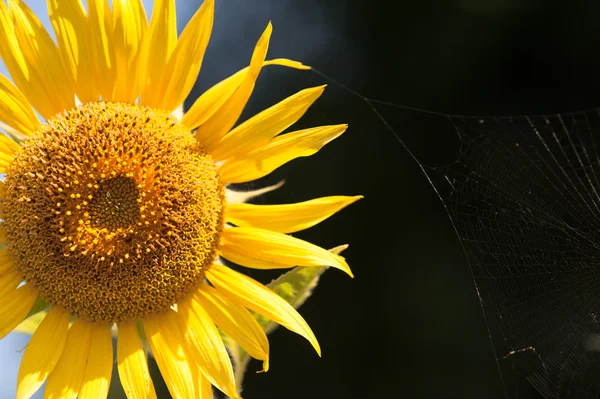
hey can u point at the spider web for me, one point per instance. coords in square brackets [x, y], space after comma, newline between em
[523, 194]
[523, 197]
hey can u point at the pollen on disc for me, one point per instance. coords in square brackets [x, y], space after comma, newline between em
[112, 211]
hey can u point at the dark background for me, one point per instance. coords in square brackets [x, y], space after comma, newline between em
[410, 323]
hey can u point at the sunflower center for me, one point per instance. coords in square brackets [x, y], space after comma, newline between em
[114, 204]
[112, 211]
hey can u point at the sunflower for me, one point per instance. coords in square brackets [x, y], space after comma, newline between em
[116, 209]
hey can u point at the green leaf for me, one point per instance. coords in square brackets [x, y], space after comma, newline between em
[295, 286]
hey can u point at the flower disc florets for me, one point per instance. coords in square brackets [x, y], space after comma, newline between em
[112, 211]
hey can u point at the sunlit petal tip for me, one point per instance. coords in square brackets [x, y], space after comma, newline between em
[342, 265]
[260, 248]
[349, 272]
[288, 63]
[345, 266]
[265, 366]
[318, 89]
[265, 36]
[339, 249]
[255, 296]
[315, 344]
[351, 200]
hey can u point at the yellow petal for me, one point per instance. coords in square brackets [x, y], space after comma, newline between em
[257, 130]
[8, 147]
[265, 249]
[70, 24]
[206, 346]
[11, 51]
[15, 110]
[255, 296]
[287, 218]
[213, 99]
[98, 369]
[236, 257]
[280, 150]
[30, 324]
[227, 115]
[65, 380]
[287, 63]
[42, 353]
[6, 262]
[133, 365]
[9, 282]
[130, 24]
[15, 306]
[13, 58]
[166, 341]
[183, 67]
[205, 388]
[41, 66]
[158, 45]
[100, 27]
[235, 321]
